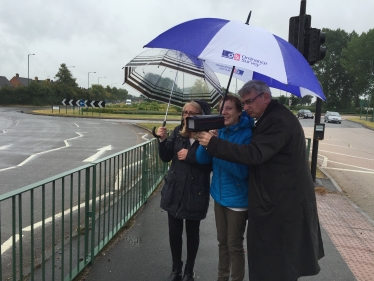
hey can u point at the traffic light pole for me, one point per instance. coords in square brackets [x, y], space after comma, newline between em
[300, 37]
[317, 120]
[300, 46]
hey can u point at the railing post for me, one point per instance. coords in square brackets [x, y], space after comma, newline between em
[87, 216]
[93, 212]
[145, 172]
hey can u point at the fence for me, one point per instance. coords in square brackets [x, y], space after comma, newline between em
[52, 229]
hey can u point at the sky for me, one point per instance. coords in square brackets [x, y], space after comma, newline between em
[103, 36]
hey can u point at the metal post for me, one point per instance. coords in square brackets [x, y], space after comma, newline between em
[98, 80]
[317, 117]
[28, 64]
[88, 86]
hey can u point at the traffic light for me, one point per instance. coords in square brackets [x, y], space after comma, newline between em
[294, 33]
[313, 49]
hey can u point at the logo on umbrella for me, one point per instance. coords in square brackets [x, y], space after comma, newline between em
[238, 71]
[230, 55]
[253, 61]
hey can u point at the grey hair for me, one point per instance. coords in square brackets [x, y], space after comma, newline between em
[257, 85]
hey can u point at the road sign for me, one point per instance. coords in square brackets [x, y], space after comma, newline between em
[94, 103]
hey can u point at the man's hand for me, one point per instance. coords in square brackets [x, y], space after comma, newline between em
[204, 138]
[182, 154]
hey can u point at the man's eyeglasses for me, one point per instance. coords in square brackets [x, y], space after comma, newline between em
[190, 113]
[249, 101]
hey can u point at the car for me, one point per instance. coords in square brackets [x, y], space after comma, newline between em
[305, 113]
[332, 116]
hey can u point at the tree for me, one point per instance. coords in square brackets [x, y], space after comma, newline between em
[335, 80]
[64, 76]
[199, 87]
[306, 99]
[358, 60]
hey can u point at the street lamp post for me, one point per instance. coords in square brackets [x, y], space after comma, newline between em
[98, 80]
[88, 87]
[28, 67]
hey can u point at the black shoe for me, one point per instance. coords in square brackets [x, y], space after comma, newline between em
[175, 276]
[188, 276]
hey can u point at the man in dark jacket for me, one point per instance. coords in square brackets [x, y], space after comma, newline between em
[283, 234]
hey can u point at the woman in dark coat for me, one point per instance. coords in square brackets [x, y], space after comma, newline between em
[185, 194]
[283, 234]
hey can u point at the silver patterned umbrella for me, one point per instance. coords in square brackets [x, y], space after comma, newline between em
[172, 77]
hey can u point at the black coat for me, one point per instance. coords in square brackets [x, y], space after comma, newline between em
[185, 194]
[283, 234]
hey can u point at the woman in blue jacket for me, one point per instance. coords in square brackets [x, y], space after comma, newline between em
[229, 189]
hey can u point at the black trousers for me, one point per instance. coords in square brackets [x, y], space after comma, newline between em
[176, 240]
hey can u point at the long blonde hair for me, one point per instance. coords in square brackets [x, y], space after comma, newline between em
[184, 131]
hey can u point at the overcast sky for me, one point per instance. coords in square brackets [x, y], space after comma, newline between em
[102, 36]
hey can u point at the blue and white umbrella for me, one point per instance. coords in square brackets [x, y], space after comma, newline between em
[255, 53]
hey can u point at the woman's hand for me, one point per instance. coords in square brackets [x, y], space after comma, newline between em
[182, 154]
[204, 138]
[214, 132]
[162, 132]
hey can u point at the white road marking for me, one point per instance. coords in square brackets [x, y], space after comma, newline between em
[5, 146]
[144, 135]
[8, 244]
[347, 155]
[4, 132]
[347, 170]
[98, 154]
[324, 162]
[336, 145]
[43, 152]
[76, 125]
[119, 174]
[351, 166]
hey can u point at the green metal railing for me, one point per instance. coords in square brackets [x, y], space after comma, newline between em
[53, 229]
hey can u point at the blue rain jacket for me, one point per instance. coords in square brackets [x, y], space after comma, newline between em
[229, 186]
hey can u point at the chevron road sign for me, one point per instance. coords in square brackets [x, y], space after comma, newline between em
[84, 103]
[97, 103]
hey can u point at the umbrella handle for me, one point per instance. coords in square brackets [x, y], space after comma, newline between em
[154, 130]
[154, 133]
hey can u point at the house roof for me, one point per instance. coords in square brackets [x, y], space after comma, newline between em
[4, 81]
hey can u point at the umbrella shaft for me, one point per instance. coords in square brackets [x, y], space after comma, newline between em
[171, 93]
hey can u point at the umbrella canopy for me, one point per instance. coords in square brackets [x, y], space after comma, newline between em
[254, 52]
[173, 77]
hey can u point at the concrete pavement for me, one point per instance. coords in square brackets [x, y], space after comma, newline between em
[142, 252]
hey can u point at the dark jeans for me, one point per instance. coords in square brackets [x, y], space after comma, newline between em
[176, 241]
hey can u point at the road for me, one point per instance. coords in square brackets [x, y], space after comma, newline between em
[347, 154]
[34, 147]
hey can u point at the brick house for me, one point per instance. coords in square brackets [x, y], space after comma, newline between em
[20, 81]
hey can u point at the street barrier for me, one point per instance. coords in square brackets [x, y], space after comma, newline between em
[52, 230]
